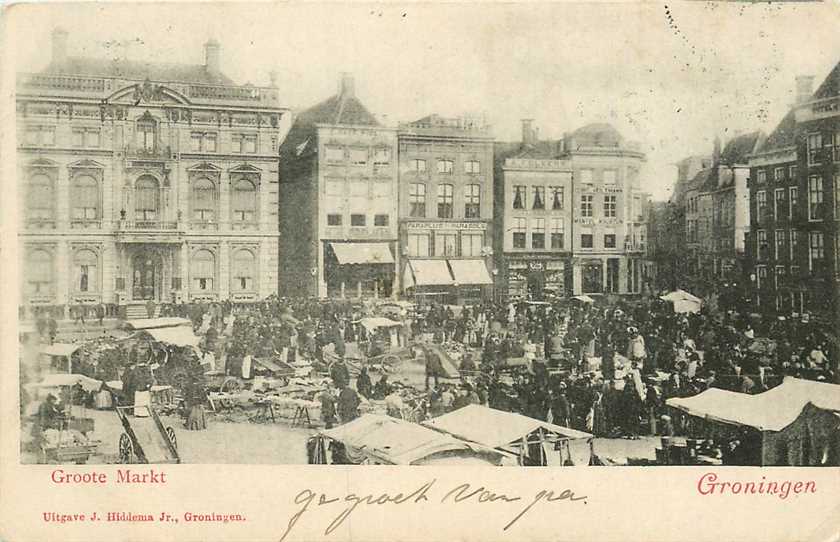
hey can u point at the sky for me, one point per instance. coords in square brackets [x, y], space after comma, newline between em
[670, 76]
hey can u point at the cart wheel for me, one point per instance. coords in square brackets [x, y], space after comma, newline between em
[171, 434]
[230, 385]
[126, 449]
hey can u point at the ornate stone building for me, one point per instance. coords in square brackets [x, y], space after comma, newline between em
[144, 181]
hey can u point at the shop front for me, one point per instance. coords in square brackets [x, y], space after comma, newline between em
[536, 278]
[356, 270]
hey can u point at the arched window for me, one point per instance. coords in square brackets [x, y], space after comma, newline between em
[84, 267]
[146, 198]
[203, 270]
[204, 200]
[40, 198]
[85, 199]
[244, 201]
[243, 271]
[39, 272]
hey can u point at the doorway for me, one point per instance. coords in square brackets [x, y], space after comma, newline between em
[146, 272]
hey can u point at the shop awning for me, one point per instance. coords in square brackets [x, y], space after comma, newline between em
[362, 253]
[470, 272]
[154, 323]
[431, 272]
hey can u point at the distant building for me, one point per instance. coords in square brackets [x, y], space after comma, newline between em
[144, 181]
[338, 202]
[573, 213]
[446, 209]
[795, 206]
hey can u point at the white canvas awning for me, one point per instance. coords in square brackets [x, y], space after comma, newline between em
[373, 323]
[470, 272]
[431, 273]
[177, 336]
[584, 299]
[495, 428]
[772, 410]
[59, 349]
[362, 253]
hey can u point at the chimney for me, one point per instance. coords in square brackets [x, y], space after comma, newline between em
[527, 132]
[59, 45]
[804, 88]
[347, 85]
[716, 152]
[212, 56]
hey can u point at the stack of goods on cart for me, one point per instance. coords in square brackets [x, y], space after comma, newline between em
[54, 438]
[104, 357]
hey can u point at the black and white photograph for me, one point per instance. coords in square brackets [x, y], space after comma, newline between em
[547, 235]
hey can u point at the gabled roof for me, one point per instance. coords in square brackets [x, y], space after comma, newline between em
[782, 137]
[541, 150]
[138, 70]
[738, 148]
[702, 179]
[339, 109]
[830, 87]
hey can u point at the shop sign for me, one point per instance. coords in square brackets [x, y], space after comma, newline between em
[85, 299]
[517, 265]
[535, 266]
[555, 265]
[481, 226]
[243, 297]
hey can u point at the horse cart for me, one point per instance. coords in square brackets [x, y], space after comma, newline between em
[145, 438]
[383, 345]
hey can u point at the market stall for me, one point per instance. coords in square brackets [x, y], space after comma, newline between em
[382, 440]
[754, 422]
[683, 301]
[533, 442]
[58, 355]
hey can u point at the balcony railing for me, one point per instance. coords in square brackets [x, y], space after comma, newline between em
[154, 225]
[64, 82]
[159, 152]
[245, 94]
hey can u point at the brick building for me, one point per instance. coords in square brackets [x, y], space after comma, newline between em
[446, 208]
[338, 201]
[795, 206]
[144, 181]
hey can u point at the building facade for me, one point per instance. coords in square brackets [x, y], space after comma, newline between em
[534, 188]
[446, 208]
[338, 202]
[608, 234]
[145, 182]
[573, 214]
[795, 200]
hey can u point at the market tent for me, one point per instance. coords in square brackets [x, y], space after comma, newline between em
[177, 336]
[813, 439]
[683, 301]
[61, 380]
[118, 386]
[59, 349]
[679, 294]
[398, 442]
[154, 323]
[430, 273]
[495, 428]
[362, 253]
[584, 298]
[772, 410]
[374, 323]
[472, 272]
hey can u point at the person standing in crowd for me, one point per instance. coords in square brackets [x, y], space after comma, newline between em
[363, 384]
[560, 408]
[434, 366]
[100, 313]
[328, 412]
[348, 404]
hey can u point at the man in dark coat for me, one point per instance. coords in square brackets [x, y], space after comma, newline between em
[363, 384]
[434, 366]
[560, 408]
[348, 404]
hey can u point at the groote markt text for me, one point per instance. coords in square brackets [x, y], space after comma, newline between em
[309, 501]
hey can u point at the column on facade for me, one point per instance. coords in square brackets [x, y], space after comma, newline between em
[107, 197]
[62, 187]
[108, 262]
[184, 255]
[62, 277]
[224, 200]
[623, 284]
[224, 270]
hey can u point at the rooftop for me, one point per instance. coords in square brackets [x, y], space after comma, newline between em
[137, 70]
